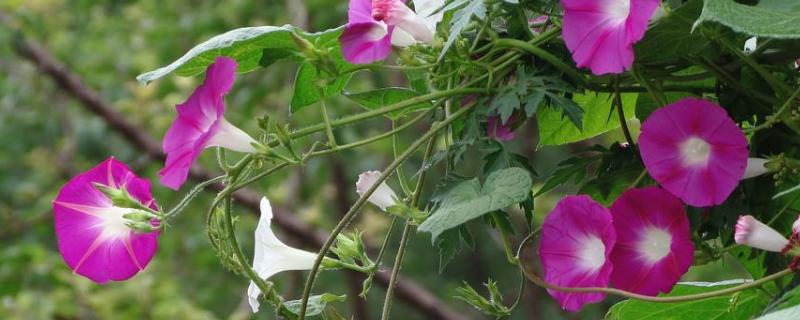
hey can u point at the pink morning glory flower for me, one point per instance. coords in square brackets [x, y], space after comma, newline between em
[694, 150]
[601, 33]
[654, 248]
[754, 233]
[94, 237]
[577, 238]
[373, 26]
[201, 124]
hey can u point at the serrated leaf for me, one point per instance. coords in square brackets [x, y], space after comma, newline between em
[316, 304]
[461, 18]
[451, 242]
[379, 98]
[308, 88]
[571, 169]
[767, 19]
[741, 305]
[554, 129]
[468, 201]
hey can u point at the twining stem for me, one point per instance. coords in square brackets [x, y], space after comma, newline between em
[775, 118]
[777, 85]
[363, 199]
[401, 250]
[544, 55]
[379, 258]
[657, 95]
[623, 122]
[327, 121]
[395, 151]
[190, 196]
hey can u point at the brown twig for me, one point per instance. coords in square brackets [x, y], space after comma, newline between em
[410, 292]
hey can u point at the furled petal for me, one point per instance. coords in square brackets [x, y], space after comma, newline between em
[750, 44]
[273, 256]
[601, 33]
[383, 197]
[577, 238]
[426, 9]
[92, 236]
[694, 150]
[755, 167]
[200, 119]
[498, 130]
[754, 233]
[654, 247]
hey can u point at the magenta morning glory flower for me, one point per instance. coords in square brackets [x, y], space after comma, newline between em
[577, 238]
[374, 26]
[601, 33]
[94, 238]
[654, 247]
[200, 124]
[694, 150]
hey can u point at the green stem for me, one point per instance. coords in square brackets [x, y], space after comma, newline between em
[775, 118]
[363, 199]
[379, 258]
[777, 85]
[395, 151]
[657, 95]
[544, 55]
[623, 122]
[190, 196]
[691, 297]
[327, 121]
[398, 260]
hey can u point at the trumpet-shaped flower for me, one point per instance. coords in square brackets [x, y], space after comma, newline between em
[577, 238]
[383, 197]
[373, 26]
[601, 33]
[496, 129]
[201, 124]
[694, 150]
[755, 167]
[94, 237]
[273, 256]
[754, 233]
[654, 247]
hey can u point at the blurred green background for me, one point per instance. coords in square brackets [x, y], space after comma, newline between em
[46, 136]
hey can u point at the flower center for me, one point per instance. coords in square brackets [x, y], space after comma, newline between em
[655, 244]
[113, 222]
[619, 10]
[381, 9]
[695, 151]
[593, 254]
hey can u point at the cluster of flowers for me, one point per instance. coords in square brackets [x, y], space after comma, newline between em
[642, 243]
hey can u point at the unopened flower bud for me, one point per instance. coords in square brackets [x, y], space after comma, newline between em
[755, 167]
[754, 233]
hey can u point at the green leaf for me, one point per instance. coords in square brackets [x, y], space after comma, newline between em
[461, 18]
[248, 46]
[316, 304]
[672, 37]
[599, 116]
[570, 169]
[380, 98]
[740, 305]
[468, 200]
[606, 188]
[769, 19]
[451, 242]
[312, 84]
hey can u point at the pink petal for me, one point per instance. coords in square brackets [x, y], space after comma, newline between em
[79, 213]
[366, 42]
[359, 11]
[577, 238]
[197, 121]
[698, 184]
[654, 248]
[496, 130]
[601, 35]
